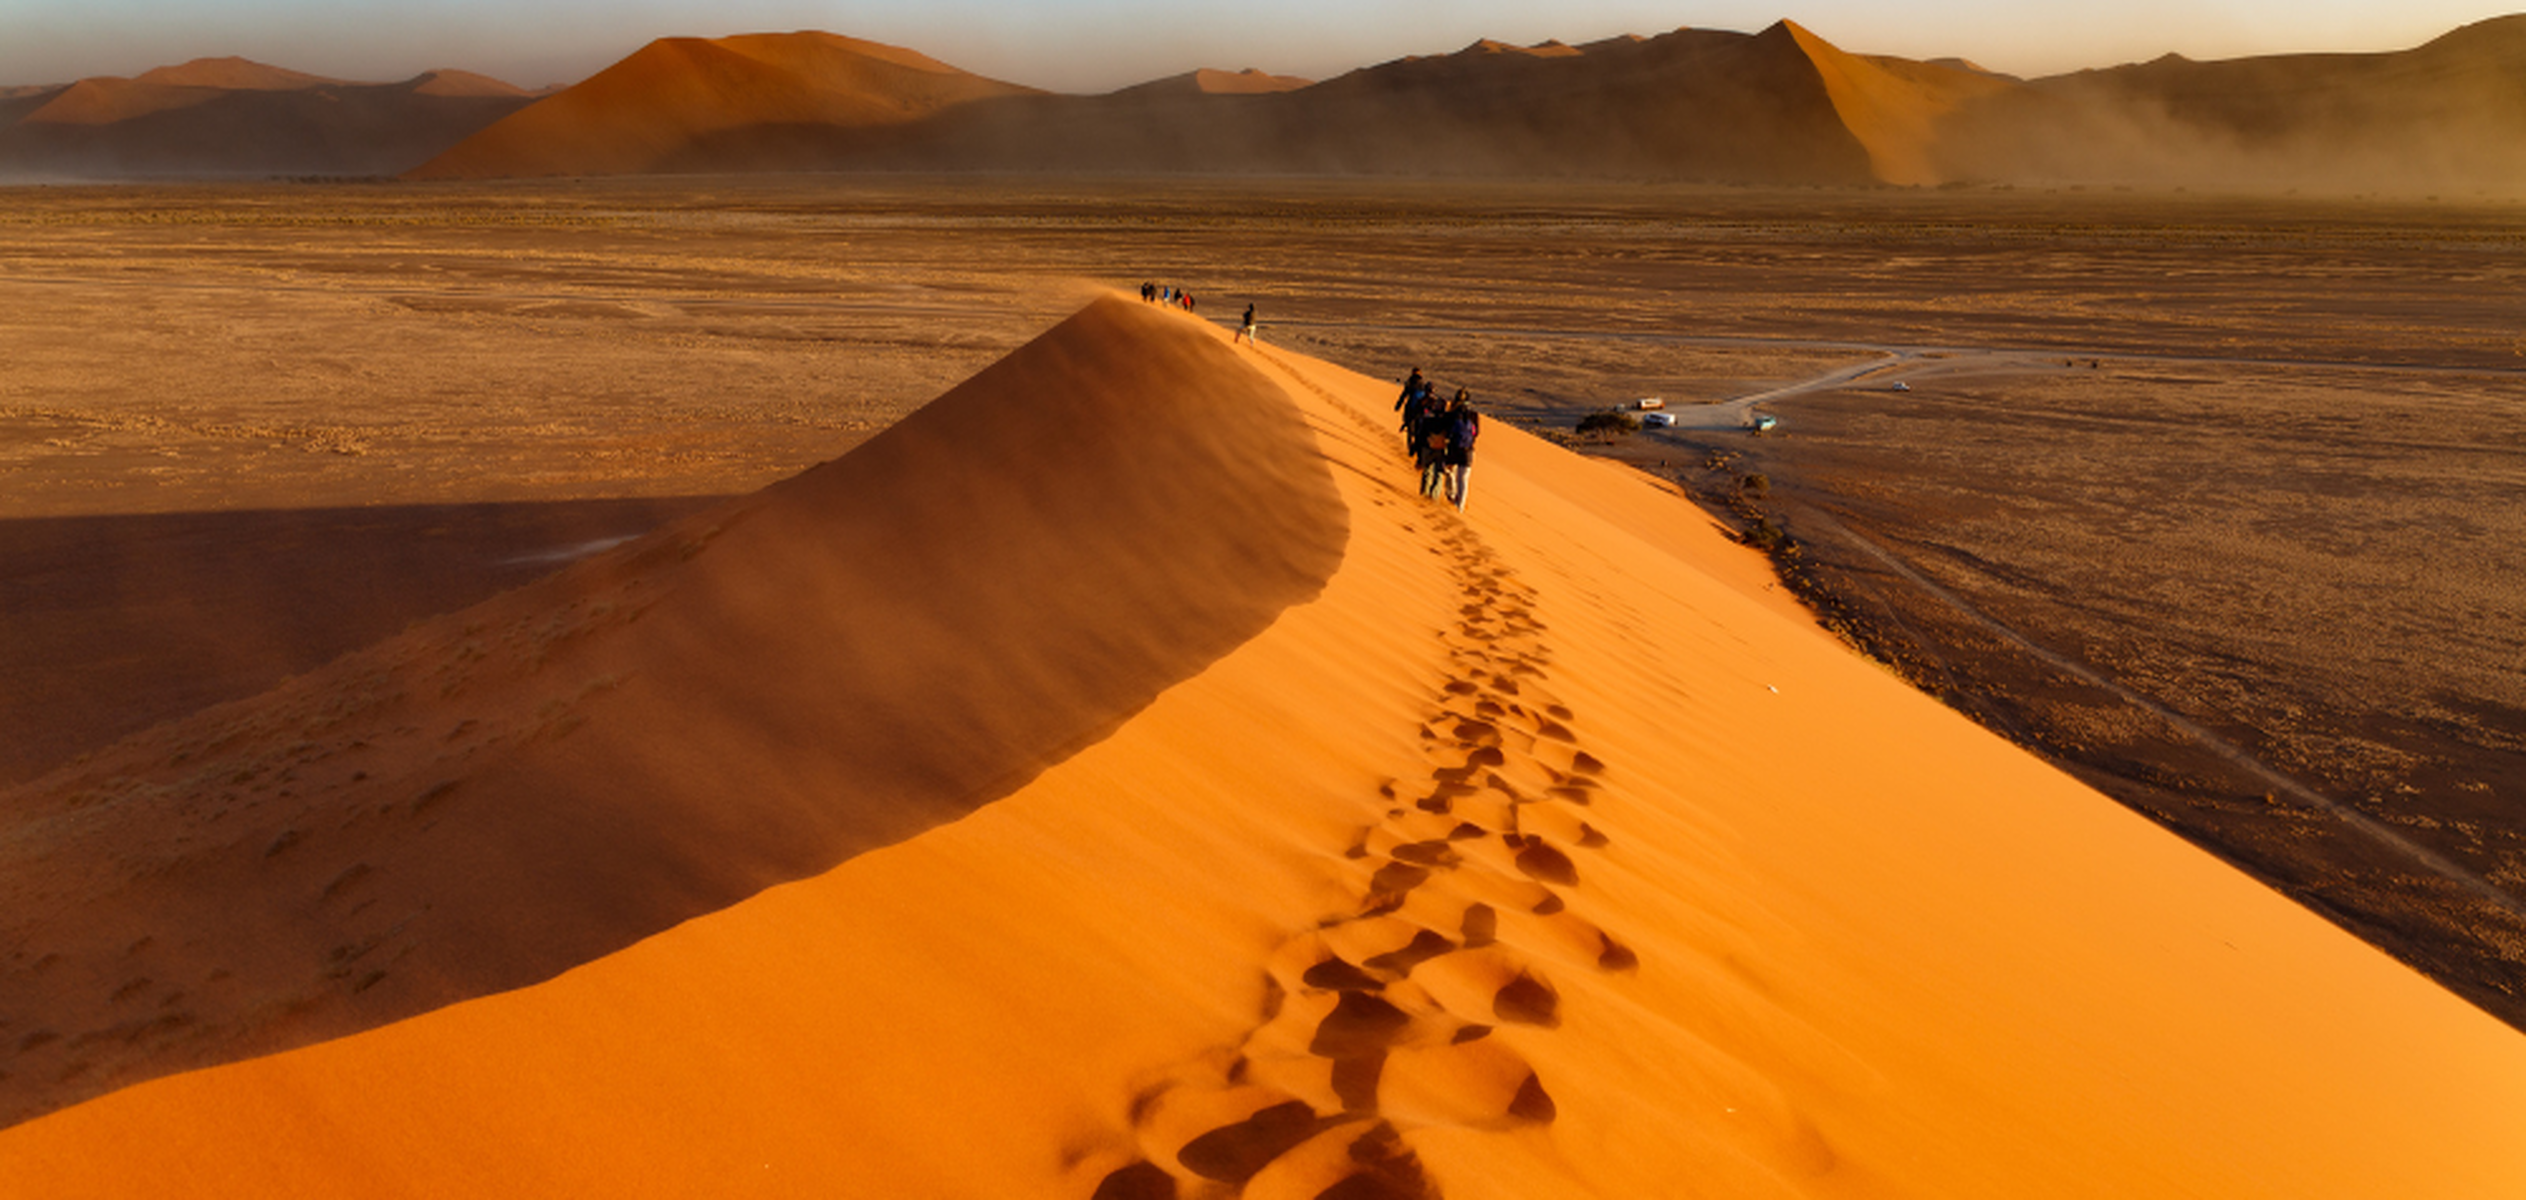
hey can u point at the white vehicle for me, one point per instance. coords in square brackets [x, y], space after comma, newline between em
[1658, 419]
[1648, 404]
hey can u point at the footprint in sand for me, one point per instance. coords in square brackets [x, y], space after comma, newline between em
[1385, 1018]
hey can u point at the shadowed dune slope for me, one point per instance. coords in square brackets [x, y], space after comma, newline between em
[641, 112]
[1536, 855]
[2451, 112]
[744, 698]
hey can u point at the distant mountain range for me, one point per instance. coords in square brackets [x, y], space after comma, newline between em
[1779, 106]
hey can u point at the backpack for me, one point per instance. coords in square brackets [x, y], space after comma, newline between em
[1467, 427]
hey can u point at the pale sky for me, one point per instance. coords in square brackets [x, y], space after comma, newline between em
[1098, 45]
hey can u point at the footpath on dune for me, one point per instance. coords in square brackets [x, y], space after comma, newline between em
[1544, 851]
[745, 698]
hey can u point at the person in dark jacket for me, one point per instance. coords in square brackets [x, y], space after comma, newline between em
[1462, 425]
[1415, 391]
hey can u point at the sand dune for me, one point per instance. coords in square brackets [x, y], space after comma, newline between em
[1893, 105]
[1780, 106]
[1783, 105]
[1209, 82]
[746, 698]
[1540, 852]
[447, 82]
[640, 113]
[1690, 104]
[2448, 113]
[232, 116]
[233, 74]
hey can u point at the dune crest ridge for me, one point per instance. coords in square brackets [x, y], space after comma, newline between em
[1539, 852]
[746, 698]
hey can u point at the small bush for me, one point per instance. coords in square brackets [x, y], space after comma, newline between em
[1755, 485]
[1611, 421]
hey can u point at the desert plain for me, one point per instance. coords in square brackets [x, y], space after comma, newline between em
[2212, 500]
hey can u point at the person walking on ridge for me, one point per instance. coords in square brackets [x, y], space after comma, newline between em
[1462, 425]
[1245, 331]
[1415, 388]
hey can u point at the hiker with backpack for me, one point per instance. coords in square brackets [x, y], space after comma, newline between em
[1416, 393]
[1461, 425]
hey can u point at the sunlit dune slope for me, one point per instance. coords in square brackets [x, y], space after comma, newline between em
[639, 113]
[1540, 853]
[1893, 105]
[743, 699]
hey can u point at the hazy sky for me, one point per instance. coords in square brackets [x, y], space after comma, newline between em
[1096, 45]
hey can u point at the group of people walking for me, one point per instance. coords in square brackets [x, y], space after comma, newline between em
[1166, 293]
[1440, 436]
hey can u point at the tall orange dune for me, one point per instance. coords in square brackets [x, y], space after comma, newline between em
[1116, 781]
[639, 113]
[1893, 105]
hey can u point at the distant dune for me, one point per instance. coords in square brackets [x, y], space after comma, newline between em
[2450, 113]
[1780, 106]
[1690, 104]
[1220, 83]
[1113, 781]
[233, 74]
[445, 82]
[235, 117]
[646, 112]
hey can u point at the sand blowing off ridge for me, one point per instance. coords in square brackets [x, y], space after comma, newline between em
[1529, 853]
[833, 664]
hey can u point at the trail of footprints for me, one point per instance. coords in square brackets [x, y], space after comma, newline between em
[1383, 1018]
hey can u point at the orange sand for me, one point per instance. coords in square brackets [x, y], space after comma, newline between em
[640, 112]
[1769, 924]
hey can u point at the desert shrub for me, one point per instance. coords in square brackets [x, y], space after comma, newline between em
[1612, 422]
[1755, 485]
[1765, 536]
